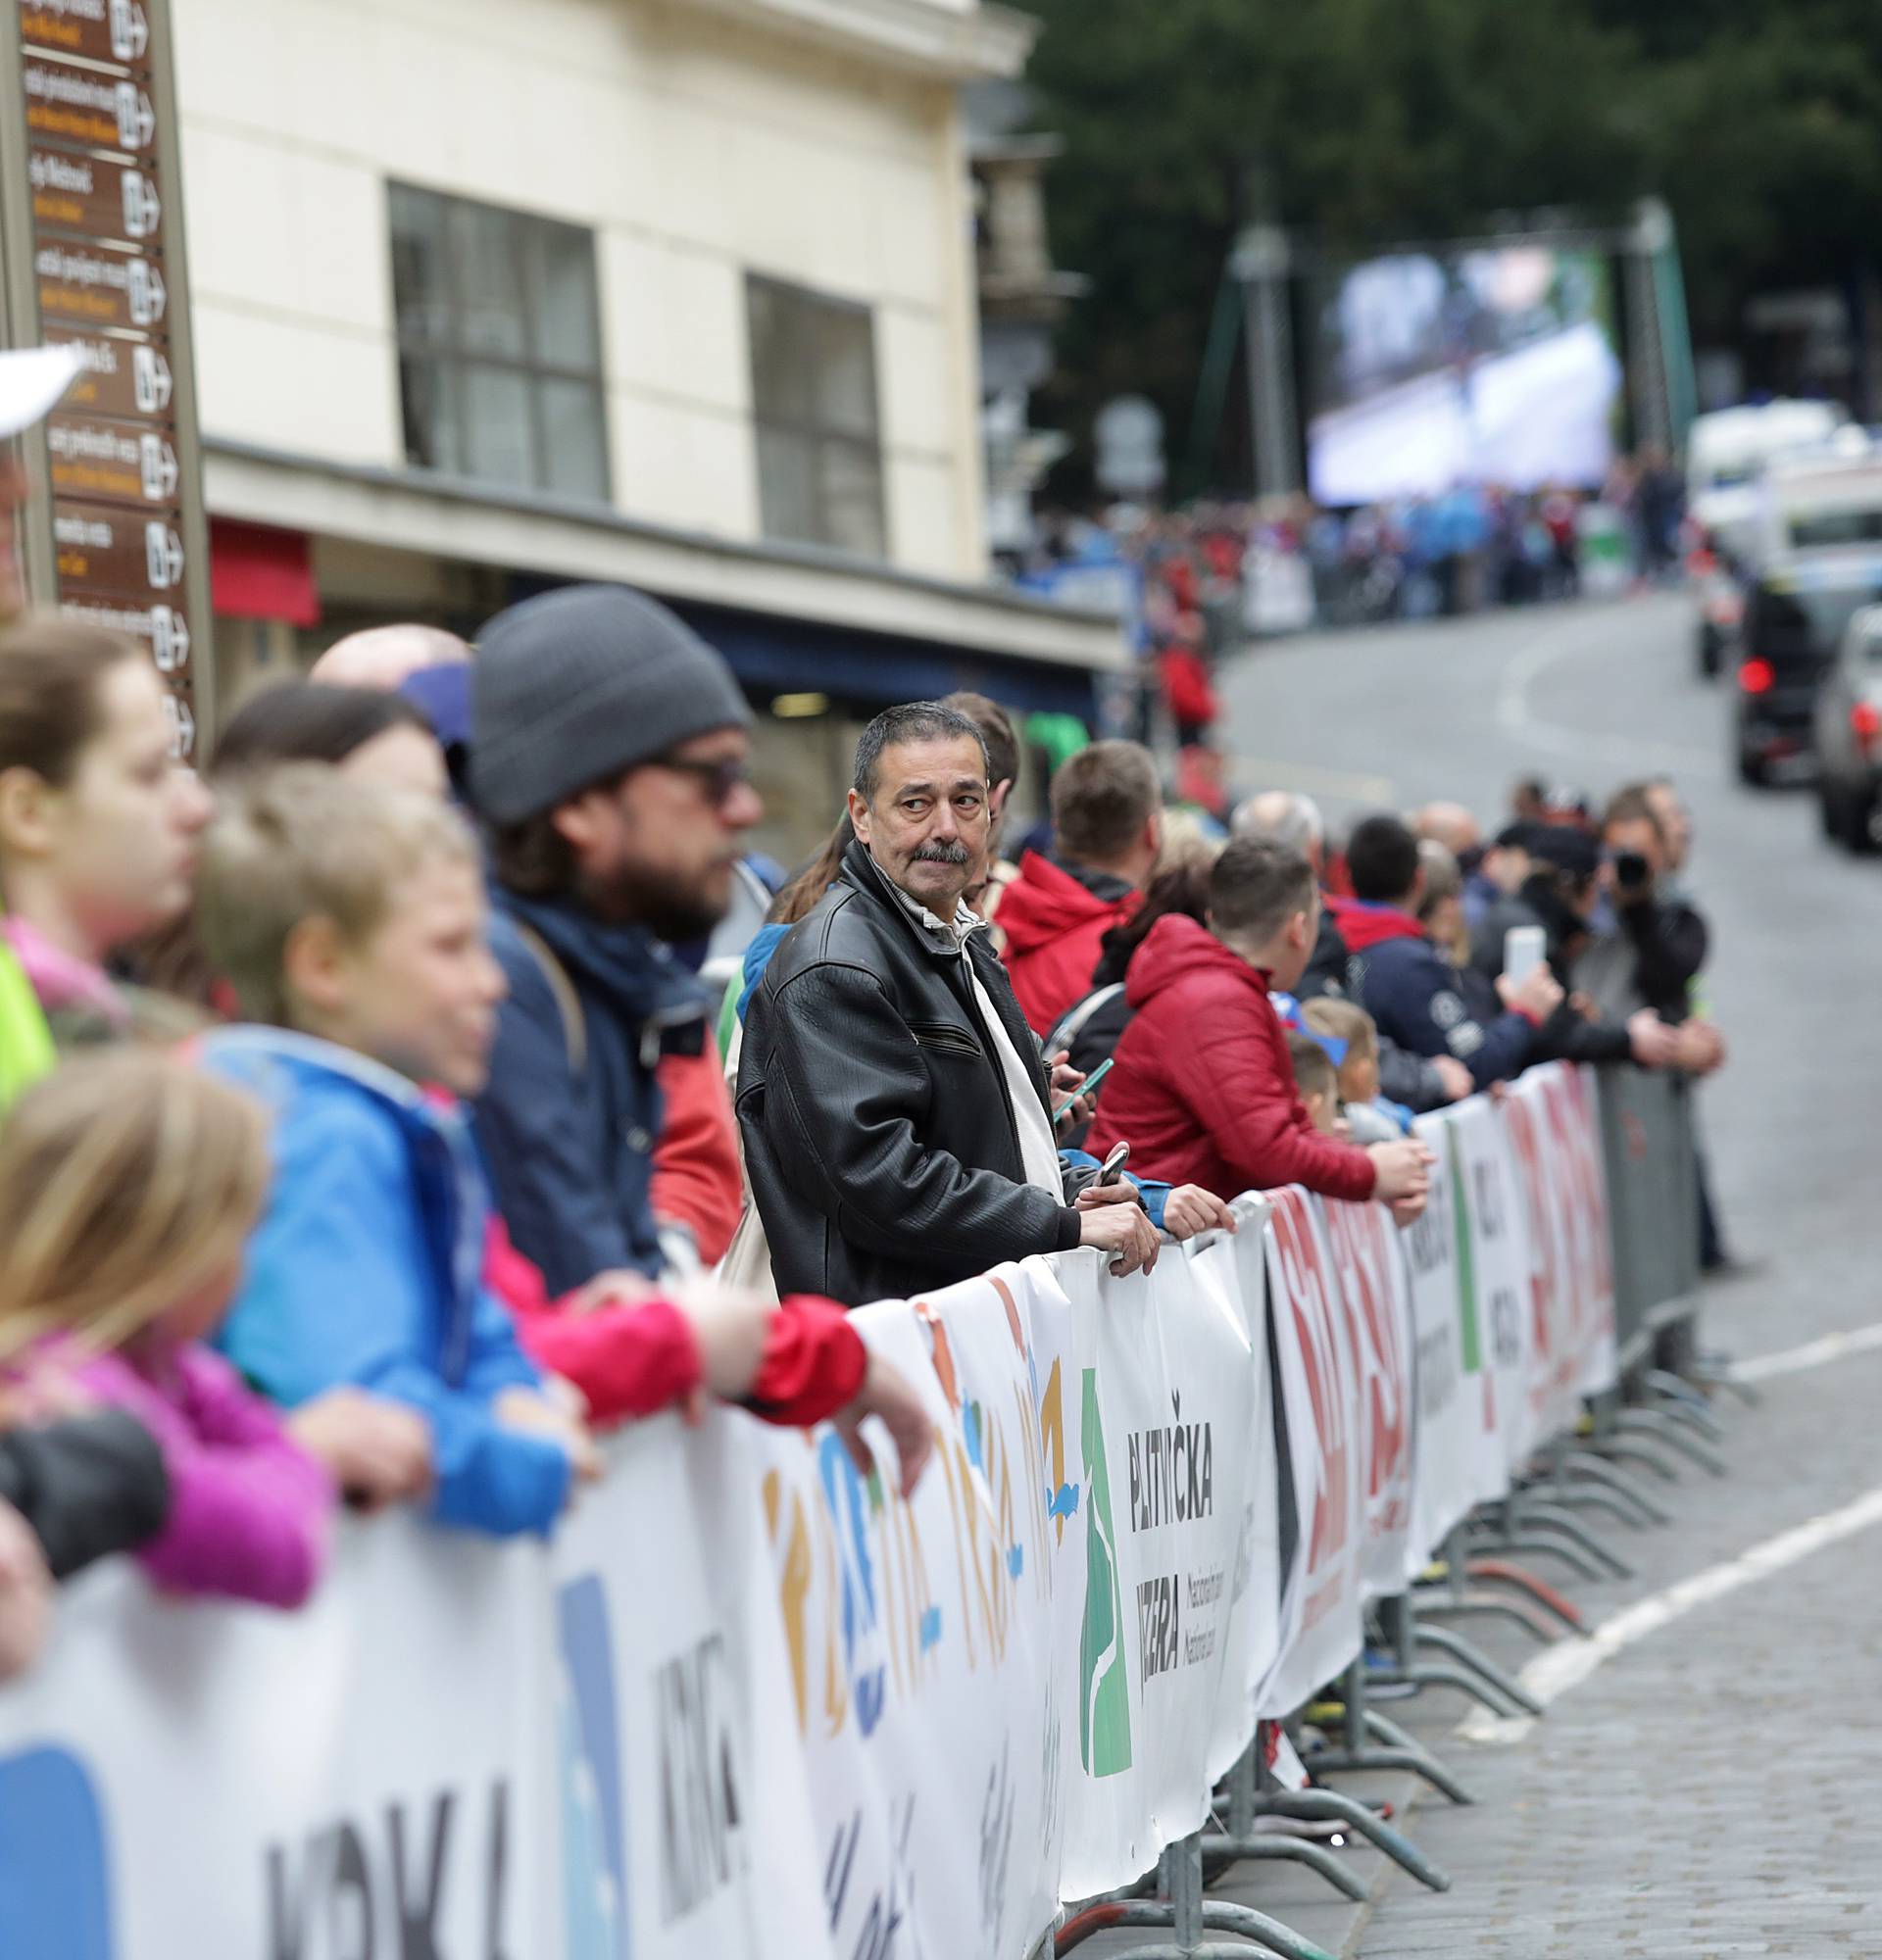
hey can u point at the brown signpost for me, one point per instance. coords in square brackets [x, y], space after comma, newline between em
[91, 252]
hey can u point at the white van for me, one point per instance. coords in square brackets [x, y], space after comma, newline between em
[1726, 453]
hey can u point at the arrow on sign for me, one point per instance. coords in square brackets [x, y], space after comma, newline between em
[143, 210]
[169, 638]
[136, 119]
[148, 294]
[129, 31]
[161, 473]
[150, 374]
[163, 557]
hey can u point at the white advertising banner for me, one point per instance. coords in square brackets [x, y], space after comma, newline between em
[1578, 1192]
[1369, 1261]
[1318, 1391]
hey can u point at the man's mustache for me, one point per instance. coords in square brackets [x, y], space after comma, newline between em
[941, 853]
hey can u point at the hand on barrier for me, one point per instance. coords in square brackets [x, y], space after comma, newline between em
[540, 1415]
[1538, 997]
[1067, 1081]
[1401, 1177]
[1117, 1225]
[1653, 1044]
[25, 1595]
[730, 1327]
[622, 1289]
[888, 1393]
[377, 1451]
[1455, 1077]
[1190, 1211]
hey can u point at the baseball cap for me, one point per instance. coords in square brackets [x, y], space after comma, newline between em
[31, 381]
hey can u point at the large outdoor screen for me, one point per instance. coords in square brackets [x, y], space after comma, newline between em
[1480, 366]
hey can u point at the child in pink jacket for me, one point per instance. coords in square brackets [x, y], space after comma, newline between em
[129, 1183]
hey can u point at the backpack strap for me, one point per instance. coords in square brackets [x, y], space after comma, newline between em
[1073, 1025]
[575, 1023]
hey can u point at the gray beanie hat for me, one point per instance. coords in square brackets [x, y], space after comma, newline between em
[581, 684]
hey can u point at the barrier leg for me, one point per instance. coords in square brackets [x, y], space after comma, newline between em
[1398, 1617]
[1539, 1589]
[1683, 1400]
[1317, 1805]
[1591, 1468]
[1631, 1449]
[1548, 1517]
[1479, 1664]
[1186, 1914]
[1535, 1547]
[1493, 1608]
[1655, 1423]
[1400, 1753]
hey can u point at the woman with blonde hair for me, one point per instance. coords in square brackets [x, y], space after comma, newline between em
[129, 1183]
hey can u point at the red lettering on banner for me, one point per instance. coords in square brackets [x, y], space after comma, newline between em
[1543, 1285]
[1361, 1255]
[1305, 1284]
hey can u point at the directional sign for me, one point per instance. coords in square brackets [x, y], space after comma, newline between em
[66, 103]
[94, 195]
[99, 285]
[87, 99]
[104, 31]
[123, 552]
[120, 377]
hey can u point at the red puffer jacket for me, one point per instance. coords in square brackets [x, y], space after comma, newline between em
[1203, 1089]
[1053, 924]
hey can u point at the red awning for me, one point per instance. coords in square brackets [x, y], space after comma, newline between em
[257, 572]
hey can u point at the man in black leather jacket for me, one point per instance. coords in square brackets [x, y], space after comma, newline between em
[896, 1112]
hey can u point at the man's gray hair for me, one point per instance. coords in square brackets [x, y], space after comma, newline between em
[1282, 817]
[912, 722]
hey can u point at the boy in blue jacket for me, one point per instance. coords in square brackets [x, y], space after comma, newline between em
[351, 922]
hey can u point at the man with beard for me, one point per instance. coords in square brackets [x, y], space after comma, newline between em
[896, 1111]
[609, 758]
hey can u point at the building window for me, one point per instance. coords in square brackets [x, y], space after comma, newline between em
[499, 345]
[819, 451]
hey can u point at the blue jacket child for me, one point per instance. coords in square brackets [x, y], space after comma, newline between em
[367, 1269]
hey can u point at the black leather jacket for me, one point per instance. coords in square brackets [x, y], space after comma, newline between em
[878, 1128]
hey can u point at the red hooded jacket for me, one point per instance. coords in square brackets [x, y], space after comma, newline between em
[1203, 1089]
[1054, 925]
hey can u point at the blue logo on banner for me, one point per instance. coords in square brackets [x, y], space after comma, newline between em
[594, 1818]
[55, 1892]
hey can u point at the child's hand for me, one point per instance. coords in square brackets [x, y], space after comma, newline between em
[377, 1451]
[538, 1415]
[731, 1328]
[25, 1595]
[887, 1392]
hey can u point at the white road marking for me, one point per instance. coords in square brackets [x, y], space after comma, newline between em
[1517, 720]
[1552, 1673]
[1812, 1355]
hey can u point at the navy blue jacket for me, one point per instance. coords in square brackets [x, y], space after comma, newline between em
[1417, 997]
[569, 1120]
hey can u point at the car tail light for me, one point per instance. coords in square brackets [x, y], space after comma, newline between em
[1866, 725]
[1756, 676]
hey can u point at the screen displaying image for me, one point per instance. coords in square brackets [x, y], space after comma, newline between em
[1433, 369]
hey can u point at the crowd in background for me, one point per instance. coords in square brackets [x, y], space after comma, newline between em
[366, 1139]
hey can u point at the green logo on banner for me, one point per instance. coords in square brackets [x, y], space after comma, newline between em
[1467, 1259]
[1104, 1706]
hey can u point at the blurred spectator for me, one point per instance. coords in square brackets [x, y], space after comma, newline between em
[129, 1183]
[1202, 1088]
[1107, 817]
[608, 758]
[386, 656]
[1415, 994]
[98, 827]
[897, 1117]
[1316, 1082]
[366, 733]
[350, 919]
[1659, 944]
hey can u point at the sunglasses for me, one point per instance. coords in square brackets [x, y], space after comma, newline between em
[719, 781]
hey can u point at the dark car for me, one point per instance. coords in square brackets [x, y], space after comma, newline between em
[1849, 737]
[1795, 618]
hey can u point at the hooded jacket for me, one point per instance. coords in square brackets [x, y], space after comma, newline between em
[1404, 1077]
[367, 1268]
[572, 1109]
[1202, 1088]
[882, 1145]
[1417, 997]
[1055, 918]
